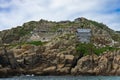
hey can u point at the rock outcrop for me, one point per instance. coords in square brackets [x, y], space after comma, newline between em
[106, 64]
[57, 57]
[42, 62]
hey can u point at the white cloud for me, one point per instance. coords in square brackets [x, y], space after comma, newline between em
[26, 10]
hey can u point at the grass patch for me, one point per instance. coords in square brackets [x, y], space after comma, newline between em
[88, 49]
[99, 51]
[37, 43]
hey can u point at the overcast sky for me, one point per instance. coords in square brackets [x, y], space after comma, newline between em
[15, 12]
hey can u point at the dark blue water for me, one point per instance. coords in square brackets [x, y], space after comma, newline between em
[63, 78]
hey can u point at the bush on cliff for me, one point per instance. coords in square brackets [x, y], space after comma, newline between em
[84, 48]
[88, 49]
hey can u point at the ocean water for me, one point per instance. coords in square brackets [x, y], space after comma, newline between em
[63, 78]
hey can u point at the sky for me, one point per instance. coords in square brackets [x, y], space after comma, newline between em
[16, 12]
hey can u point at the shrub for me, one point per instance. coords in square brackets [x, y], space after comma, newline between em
[88, 49]
[84, 48]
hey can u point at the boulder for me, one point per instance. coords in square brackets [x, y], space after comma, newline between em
[69, 58]
[102, 64]
[18, 52]
[62, 71]
[85, 65]
[49, 70]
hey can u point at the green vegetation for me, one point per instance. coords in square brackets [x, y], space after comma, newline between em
[55, 28]
[113, 34]
[88, 49]
[99, 51]
[23, 32]
[84, 48]
[37, 43]
[97, 24]
[116, 37]
[118, 31]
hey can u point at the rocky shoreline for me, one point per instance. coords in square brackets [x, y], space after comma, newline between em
[57, 57]
[51, 63]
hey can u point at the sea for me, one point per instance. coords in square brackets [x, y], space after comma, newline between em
[63, 78]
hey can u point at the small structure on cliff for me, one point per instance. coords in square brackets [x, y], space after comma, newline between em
[84, 35]
[44, 35]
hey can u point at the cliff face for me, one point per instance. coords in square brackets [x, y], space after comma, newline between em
[58, 57]
[52, 48]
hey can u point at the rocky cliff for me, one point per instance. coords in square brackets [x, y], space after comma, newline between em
[52, 48]
[44, 30]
